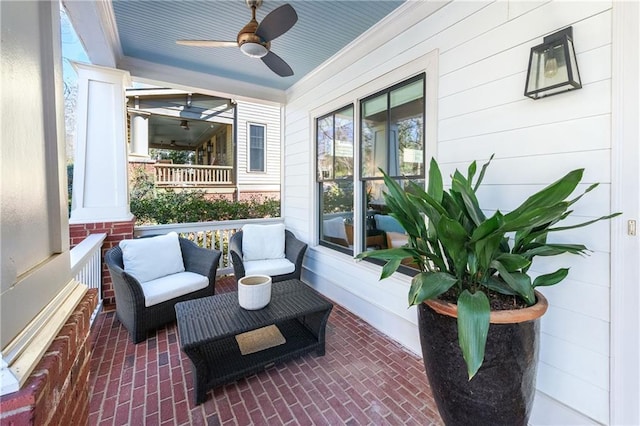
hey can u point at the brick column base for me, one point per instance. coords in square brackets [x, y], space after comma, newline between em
[57, 392]
[116, 231]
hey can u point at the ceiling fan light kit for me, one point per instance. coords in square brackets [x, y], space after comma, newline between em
[254, 50]
[254, 39]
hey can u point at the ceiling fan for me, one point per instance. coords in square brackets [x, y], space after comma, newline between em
[255, 38]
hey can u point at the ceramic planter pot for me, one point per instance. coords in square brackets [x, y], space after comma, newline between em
[254, 291]
[502, 391]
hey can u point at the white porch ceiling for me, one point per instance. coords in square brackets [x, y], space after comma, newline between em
[141, 37]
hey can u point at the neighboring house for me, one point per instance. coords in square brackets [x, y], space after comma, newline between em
[234, 145]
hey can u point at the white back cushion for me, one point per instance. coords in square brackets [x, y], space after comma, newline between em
[150, 258]
[263, 241]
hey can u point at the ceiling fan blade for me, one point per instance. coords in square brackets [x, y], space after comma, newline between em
[207, 43]
[277, 64]
[276, 23]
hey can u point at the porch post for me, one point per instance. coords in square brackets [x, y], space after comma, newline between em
[139, 146]
[100, 186]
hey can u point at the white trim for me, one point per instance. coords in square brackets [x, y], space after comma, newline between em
[264, 150]
[178, 78]
[22, 354]
[102, 47]
[625, 187]
[105, 143]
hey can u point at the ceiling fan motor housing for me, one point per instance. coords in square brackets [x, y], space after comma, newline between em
[253, 3]
[251, 44]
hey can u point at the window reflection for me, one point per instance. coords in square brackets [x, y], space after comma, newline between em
[392, 132]
[334, 139]
[392, 140]
[379, 222]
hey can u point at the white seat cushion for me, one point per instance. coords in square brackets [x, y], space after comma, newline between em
[269, 267]
[172, 286]
[263, 241]
[149, 258]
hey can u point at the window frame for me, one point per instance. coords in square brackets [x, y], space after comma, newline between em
[387, 91]
[264, 148]
[320, 182]
[363, 181]
[427, 64]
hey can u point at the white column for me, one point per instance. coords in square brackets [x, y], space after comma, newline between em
[139, 147]
[100, 184]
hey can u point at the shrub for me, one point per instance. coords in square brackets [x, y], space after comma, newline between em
[151, 205]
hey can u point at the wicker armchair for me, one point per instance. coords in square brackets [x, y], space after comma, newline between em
[137, 318]
[294, 251]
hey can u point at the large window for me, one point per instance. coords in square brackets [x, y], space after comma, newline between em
[335, 166]
[257, 147]
[391, 140]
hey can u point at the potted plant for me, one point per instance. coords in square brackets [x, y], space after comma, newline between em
[477, 305]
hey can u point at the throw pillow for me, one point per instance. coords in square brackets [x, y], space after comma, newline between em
[263, 241]
[150, 258]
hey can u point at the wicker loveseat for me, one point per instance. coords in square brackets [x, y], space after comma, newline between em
[140, 312]
[294, 250]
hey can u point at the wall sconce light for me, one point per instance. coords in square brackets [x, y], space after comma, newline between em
[208, 148]
[552, 66]
[184, 124]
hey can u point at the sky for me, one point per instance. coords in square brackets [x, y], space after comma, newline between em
[72, 49]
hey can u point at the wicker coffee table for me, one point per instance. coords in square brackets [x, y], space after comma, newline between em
[207, 328]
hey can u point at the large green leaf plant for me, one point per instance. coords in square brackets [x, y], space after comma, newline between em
[454, 244]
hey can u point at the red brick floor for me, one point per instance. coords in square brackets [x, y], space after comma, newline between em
[364, 379]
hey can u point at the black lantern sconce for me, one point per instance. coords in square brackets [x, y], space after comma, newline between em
[209, 148]
[552, 66]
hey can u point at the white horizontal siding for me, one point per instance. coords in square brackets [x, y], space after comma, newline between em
[572, 391]
[588, 133]
[593, 33]
[269, 116]
[483, 53]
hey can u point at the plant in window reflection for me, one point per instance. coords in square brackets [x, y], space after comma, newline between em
[338, 196]
[461, 252]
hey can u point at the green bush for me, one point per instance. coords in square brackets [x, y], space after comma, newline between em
[151, 205]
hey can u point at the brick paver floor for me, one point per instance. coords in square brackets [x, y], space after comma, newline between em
[365, 378]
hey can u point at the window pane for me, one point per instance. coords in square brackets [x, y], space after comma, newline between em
[325, 148]
[383, 230]
[336, 205]
[343, 148]
[407, 143]
[334, 141]
[374, 136]
[335, 145]
[256, 148]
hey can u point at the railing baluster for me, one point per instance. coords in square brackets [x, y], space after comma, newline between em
[183, 175]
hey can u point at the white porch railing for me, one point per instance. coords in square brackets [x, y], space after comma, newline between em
[188, 175]
[206, 234]
[86, 265]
